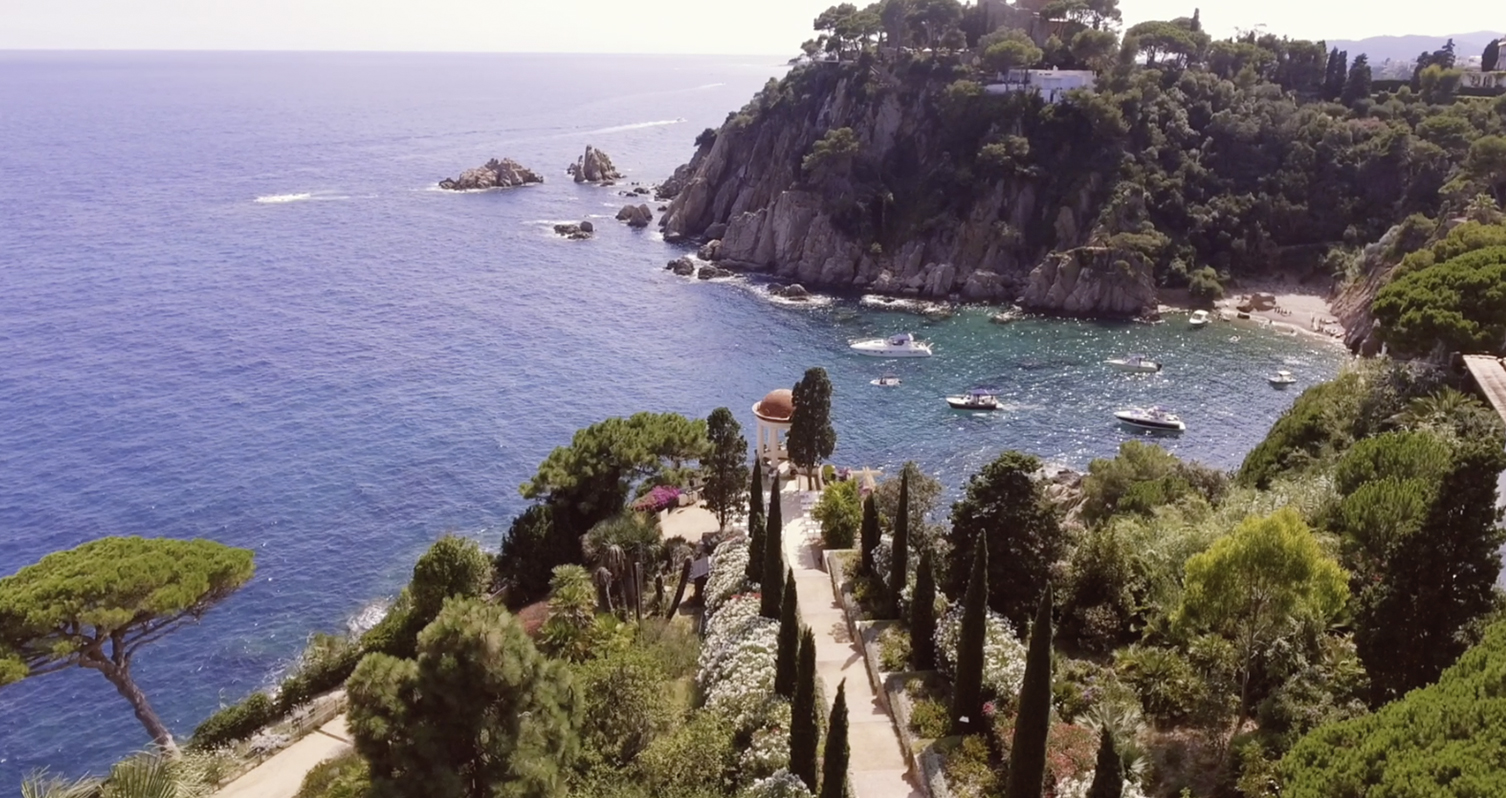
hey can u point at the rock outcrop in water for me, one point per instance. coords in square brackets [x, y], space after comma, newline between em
[594, 167]
[575, 232]
[505, 173]
[1092, 281]
[635, 215]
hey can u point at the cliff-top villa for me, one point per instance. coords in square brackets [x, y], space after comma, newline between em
[1051, 84]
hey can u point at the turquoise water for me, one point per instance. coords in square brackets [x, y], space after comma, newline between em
[232, 307]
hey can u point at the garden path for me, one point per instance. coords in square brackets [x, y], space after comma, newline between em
[877, 767]
[282, 775]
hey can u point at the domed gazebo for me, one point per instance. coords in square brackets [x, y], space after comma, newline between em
[773, 413]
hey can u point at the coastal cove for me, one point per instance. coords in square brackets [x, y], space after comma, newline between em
[268, 328]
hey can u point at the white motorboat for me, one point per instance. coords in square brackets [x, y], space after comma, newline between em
[1135, 363]
[1151, 418]
[886, 381]
[1200, 318]
[1281, 379]
[902, 345]
[976, 399]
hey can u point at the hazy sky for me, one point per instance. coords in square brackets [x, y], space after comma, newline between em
[613, 26]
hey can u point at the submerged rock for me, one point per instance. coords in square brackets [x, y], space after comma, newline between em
[575, 232]
[505, 173]
[593, 167]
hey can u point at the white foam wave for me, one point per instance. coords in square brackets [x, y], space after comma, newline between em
[303, 196]
[273, 199]
[634, 126]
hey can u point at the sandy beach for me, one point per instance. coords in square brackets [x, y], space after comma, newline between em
[1283, 306]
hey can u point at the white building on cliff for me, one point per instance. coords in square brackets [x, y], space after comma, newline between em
[1051, 84]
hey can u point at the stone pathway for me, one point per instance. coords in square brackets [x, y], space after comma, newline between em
[282, 775]
[877, 768]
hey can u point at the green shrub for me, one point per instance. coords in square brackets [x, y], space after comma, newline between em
[894, 649]
[1458, 305]
[235, 722]
[1447, 740]
[1169, 687]
[345, 776]
[839, 512]
[326, 664]
[626, 704]
[968, 767]
[929, 718]
[1203, 286]
[697, 755]
[1319, 424]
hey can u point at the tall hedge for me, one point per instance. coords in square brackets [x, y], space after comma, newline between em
[868, 535]
[899, 557]
[967, 690]
[755, 524]
[803, 732]
[923, 615]
[787, 657]
[771, 583]
[1447, 740]
[1027, 755]
[835, 756]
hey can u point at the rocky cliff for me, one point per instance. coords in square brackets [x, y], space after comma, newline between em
[892, 211]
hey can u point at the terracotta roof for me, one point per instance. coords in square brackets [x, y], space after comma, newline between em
[778, 405]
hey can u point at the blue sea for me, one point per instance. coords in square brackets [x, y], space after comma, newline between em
[234, 306]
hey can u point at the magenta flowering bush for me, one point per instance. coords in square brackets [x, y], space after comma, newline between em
[661, 497]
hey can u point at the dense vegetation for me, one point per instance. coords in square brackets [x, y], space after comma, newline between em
[1239, 156]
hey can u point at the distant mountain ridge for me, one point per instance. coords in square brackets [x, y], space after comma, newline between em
[1406, 48]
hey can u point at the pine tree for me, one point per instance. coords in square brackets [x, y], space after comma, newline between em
[923, 616]
[834, 757]
[803, 731]
[772, 582]
[868, 535]
[724, 466]
[789, 640]
[967, 689]
[811, 437]
[900, 555]
[755, 524]
[1027, 755]
[1108, 777]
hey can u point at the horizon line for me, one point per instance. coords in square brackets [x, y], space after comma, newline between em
[370, 51]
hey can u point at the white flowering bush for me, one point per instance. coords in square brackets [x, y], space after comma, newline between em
[728, 574]
[769, 749]
[782, 784]
[1003, 653]
[1078, 788]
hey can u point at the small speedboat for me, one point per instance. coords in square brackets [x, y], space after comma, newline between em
[1281, 379]
[976, 399]
[902, 345]
[1151, 418]
[886, 381]
[1200, 318]
[1135, 363]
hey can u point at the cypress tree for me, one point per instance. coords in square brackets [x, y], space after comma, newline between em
[923, 616]
[772, 582]
[755, 524]
[868, 535]
[1027, 756]
[834, 757]
[1108, 777]
[900, 555]
[967, 690]
[803, 714]
[789, 641]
